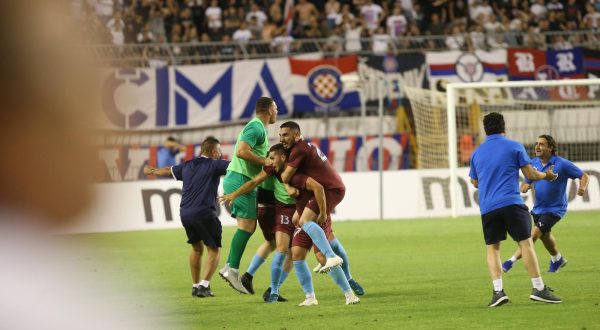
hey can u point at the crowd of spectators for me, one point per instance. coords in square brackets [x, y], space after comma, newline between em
[339, 24]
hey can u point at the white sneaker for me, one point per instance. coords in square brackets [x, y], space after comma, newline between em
[317, 268]
[352, 299]
[232, 277]
[310, 301]
[331, 262]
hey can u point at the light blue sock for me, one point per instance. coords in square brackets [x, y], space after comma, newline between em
[339, 278]
[257, 261]
[340, 251]
[282, 277]
[304, 276]
[318, 237]
[277, 270]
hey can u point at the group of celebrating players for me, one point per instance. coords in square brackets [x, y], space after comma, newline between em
[290, 190]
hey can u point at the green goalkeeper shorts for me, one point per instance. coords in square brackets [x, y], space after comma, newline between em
[245, 205]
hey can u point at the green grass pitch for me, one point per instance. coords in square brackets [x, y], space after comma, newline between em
[418, 274]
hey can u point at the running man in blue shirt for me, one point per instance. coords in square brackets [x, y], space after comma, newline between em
[495, 166]
[550, 199]
[198, 213]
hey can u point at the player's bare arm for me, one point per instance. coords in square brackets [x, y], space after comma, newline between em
[244, 189]
[287, 174]
[244, 151]
[319, 193]
[163, 171]
[292, 192]
[534, 175]
[525, 187]
[583, 184]
[474, 183]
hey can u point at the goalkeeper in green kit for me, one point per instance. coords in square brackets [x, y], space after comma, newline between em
[249, 156]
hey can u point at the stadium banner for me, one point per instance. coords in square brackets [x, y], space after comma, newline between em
[407, 69]
[347, 154]
[458, 66]
[533, 64]
[410, 194]
[191, 96]
[591, 64]
[318, 85]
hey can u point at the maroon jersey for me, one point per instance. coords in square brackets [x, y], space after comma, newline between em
[310, 161]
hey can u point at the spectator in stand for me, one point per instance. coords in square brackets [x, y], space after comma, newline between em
[283, 42]
[304, 11]
[213, 16]
[554, 5]
[381, 41]
[254, 27]
[538, 9]
[116, 18]
[572, 15]
[156, 21]
[455, 40]
[335, 41]
[477, 37]
[276, 12]
[104, 10]
[353, 32]
[269, 30]
[116, 30]
[332, 13]
[231, 21]
[396, 23]
[345, 16]
[457, 11]
[145, 36]
[591, 20]
[373, 15]
[257, 14]
[242, 35]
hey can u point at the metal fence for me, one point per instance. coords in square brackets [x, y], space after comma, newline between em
[157, 55]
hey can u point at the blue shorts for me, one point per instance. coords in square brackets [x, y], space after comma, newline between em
[545, 221]
[206, 229]
[513, 219]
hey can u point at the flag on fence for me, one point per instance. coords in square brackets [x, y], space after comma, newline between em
[319, 84]
[457, 66]
[533, 64]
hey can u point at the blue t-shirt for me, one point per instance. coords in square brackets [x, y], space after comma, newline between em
[551, 196]
[200, 178]
[166, 157]
[495, 165]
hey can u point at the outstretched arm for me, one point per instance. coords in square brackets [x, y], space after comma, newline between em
[534, 175]
[163, 171]
[244, 189]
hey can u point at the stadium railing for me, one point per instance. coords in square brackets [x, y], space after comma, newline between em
[155, 54]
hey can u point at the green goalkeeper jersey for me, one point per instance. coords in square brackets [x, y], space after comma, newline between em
[255, 135]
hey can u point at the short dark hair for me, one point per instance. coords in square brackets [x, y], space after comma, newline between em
[493, 123]
[263, 104]
[278, 148]
[171, 139]
[208, 145]
[551, 142]
[291, 125]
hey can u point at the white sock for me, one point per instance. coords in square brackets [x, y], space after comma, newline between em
[311, 295]
[556, 257]
[513, 259]
[497, 284]
[538, 283]
[204, 283]
[196, 285]
[348, 293]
